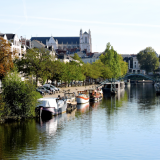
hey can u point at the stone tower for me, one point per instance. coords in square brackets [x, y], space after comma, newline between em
[85, 41]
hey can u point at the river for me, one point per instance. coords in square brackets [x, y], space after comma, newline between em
[124, 127]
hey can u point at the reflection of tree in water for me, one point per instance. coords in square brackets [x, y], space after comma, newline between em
[17, 137]
[112, 103]
[144, 94]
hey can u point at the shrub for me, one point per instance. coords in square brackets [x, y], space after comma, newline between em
[20, 97]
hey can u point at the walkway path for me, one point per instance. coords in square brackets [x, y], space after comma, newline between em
[72, 89]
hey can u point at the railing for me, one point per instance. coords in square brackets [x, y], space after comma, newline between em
[140, 74]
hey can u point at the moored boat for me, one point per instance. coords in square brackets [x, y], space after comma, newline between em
[95, 95]
[51, 106]
[82, 97]
[71, 101]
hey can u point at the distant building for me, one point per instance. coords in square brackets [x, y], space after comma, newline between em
[133, 65]
[81, 43]
[14, 43]
[90, 57]
[26, 42]
[66, 58]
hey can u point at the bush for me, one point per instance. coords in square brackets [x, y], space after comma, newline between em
[2, 104]
[20, 97]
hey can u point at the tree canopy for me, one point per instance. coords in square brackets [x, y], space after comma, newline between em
[148, 59]
[36, 62]
[6, 63]
[114, 66]
[20, 98]
[76, 57]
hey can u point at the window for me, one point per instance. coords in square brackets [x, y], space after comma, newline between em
[85, 39]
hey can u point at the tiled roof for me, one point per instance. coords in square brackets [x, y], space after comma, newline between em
[40, 43]
[10, 36]
[70, 40]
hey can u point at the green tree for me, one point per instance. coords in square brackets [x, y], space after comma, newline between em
[148, 59]
[57, 70]
[123, 65]
[36, 62]
[111, 60]
[76, 57]
[72, 71]
[20, 97]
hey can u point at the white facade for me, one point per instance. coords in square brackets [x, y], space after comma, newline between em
[52, 42]
[133, 65]
[85, 41]
[15, 44]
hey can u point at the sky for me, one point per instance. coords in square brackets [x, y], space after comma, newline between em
[129, 25]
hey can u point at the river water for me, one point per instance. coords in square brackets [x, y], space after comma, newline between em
[124, 127]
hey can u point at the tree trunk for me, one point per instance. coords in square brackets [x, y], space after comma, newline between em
[36, 80]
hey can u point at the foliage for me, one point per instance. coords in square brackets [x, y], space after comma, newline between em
[96, 69]
[36, 62]
[114, 66]
[148, 60]
[6, 63]
[20, 97]
[76, 57]
[123, 65]
[57, 70]
[2, 104]
[72, 71]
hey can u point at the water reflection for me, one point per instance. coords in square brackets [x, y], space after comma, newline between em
[17, 138]
[82, 108]
[144, 94]
[114, 102]
[124, 124]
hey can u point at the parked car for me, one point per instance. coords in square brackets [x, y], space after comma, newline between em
[49, 89]
[56, 88]
[44, 90]
[41, 92]
[52, 87]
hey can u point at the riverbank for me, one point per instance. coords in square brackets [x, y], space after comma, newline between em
[61, 93]
[72, 89]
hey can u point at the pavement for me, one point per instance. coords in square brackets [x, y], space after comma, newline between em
[72, 89]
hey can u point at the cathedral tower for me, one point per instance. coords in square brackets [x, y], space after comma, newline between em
[85, 41]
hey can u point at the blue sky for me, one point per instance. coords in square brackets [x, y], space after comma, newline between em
[129, 25]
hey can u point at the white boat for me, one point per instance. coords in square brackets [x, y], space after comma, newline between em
[71, 98]
[82, 97]
[71, 101]
[53, 106]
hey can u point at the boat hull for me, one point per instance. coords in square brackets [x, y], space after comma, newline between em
[96, 99]
[53, 111]
[81, 100]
